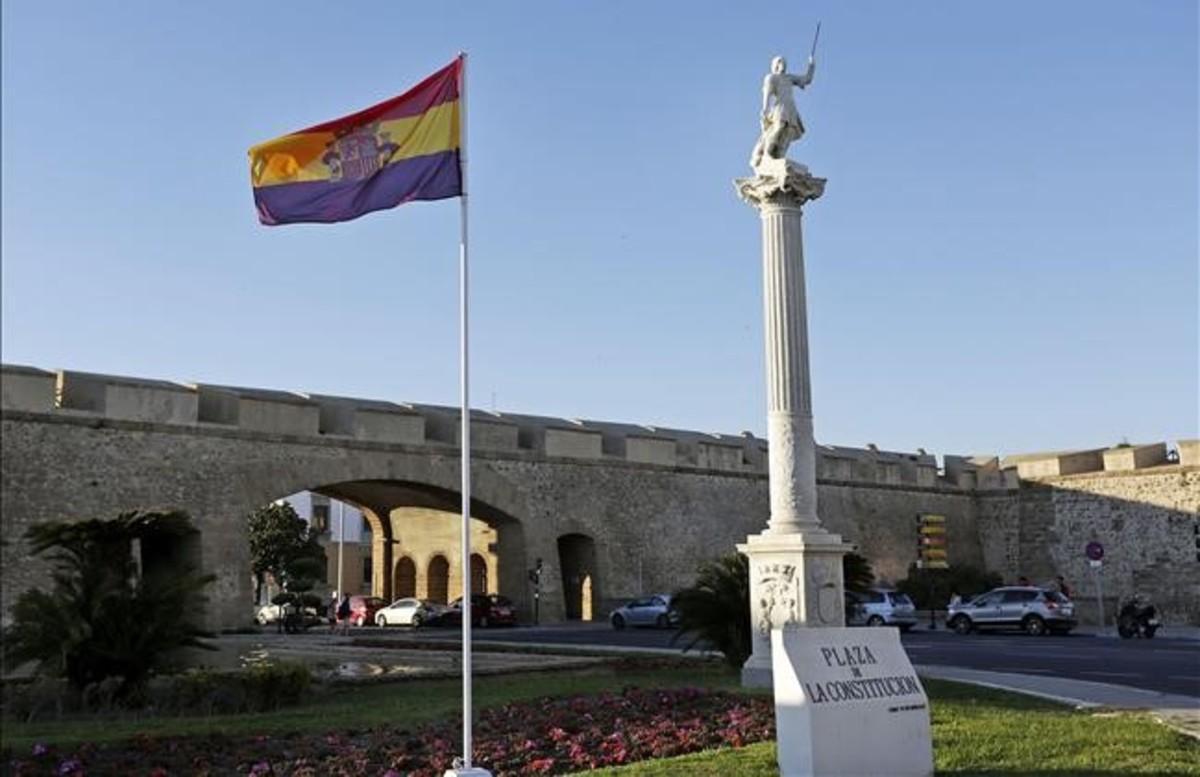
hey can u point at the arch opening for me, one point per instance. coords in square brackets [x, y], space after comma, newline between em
[405, 583]
[577, 560]
[438, 580]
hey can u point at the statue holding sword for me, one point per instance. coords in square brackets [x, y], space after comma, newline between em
[781, 123]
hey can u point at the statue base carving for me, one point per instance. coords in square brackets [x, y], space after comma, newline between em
[794, 579]
[780, 182]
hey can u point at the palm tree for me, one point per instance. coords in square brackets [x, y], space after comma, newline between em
[857, 575]
[102, 618]
[715, 612]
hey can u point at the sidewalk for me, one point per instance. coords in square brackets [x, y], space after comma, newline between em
[1177, 711]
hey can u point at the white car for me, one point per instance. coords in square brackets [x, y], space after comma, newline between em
[406, 612]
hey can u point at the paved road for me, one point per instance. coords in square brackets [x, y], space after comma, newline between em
[1162, 664]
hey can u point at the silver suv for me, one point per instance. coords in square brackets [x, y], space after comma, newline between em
[879, 607]
[1033, 610]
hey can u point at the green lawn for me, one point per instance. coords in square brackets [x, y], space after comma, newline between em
[976, 731]
[399, 703]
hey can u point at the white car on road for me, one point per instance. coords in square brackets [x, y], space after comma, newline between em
[406, 612]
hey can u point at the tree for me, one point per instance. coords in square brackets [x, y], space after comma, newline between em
[857, 575]
[715, 612]
[931, 588]
[283, 545]
[104, 619]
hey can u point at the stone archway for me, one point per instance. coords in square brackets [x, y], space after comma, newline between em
[577, 560]
[437, 580]
[405, 578]
[479, 574]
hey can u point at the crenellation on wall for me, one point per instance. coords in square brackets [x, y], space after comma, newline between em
[1030, 466]
[27, 388]
[1189, 452]
[1127, 457]
[365, 419]
[259, 410]
[575, 443]
[648, 449]
[129, 399]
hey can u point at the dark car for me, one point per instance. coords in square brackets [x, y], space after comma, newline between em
[363, 609]
[486, 610]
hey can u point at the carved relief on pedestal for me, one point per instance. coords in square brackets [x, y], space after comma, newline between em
[822, 581]
[777, 595]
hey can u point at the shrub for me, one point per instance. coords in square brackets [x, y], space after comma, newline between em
[103, 626]
[715, 612]
[932, 587]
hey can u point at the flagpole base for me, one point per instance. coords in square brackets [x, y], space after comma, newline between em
[474, 771]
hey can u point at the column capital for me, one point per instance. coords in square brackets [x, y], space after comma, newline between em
[780, 183]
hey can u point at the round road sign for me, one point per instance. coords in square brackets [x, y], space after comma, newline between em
[1094, 551]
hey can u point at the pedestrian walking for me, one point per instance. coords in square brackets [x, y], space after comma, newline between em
[1063, 588]
[343, 613]
[332, 611]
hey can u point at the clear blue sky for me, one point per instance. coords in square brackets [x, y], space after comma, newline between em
[1005, 258]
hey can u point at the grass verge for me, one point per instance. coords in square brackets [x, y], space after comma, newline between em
[976, 731]
[979, 731]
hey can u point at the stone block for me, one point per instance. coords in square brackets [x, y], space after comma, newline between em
[279, 416]
[1189, 452]
[719, 455]
[650, 450]
[384, 426]
[1054, 464]
[130, 399]
[573, 443]
[368, 419]
[1135, 457]
[257, 410]
[492, 434]
[26, 388]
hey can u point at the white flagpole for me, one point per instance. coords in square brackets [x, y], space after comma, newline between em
[467, 610]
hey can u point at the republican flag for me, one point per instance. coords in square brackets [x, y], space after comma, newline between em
[405, 148]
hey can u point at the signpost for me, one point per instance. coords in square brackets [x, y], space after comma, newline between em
[1095, 556]
[931, 551]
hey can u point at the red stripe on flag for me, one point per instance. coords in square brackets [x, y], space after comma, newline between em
[441, 87]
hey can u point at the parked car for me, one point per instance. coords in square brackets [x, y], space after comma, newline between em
[407, 612]
[272, 613]
[486, 610]
[1033, 610]
[653, 610]
[880, 607]
[363, 609]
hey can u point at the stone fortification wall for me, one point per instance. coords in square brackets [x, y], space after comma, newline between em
[655, 502]
[1147, 520]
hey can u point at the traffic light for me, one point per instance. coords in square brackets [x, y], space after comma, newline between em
[931, 541]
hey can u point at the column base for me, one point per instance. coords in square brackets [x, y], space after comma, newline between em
[474, 771]
[795, 578]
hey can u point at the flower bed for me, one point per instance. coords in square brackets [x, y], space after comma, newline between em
[544, 736]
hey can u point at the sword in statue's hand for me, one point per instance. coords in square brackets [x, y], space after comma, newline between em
[813, 52]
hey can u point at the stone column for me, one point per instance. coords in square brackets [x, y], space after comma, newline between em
[795, 564]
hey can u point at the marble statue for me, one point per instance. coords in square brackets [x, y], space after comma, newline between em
[781, 124]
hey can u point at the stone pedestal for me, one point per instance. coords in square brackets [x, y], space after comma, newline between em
[795, 565]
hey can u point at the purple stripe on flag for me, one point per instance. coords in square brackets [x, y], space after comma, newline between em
[432, 177]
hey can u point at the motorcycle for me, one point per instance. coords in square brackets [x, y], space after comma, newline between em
[1137, 620]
